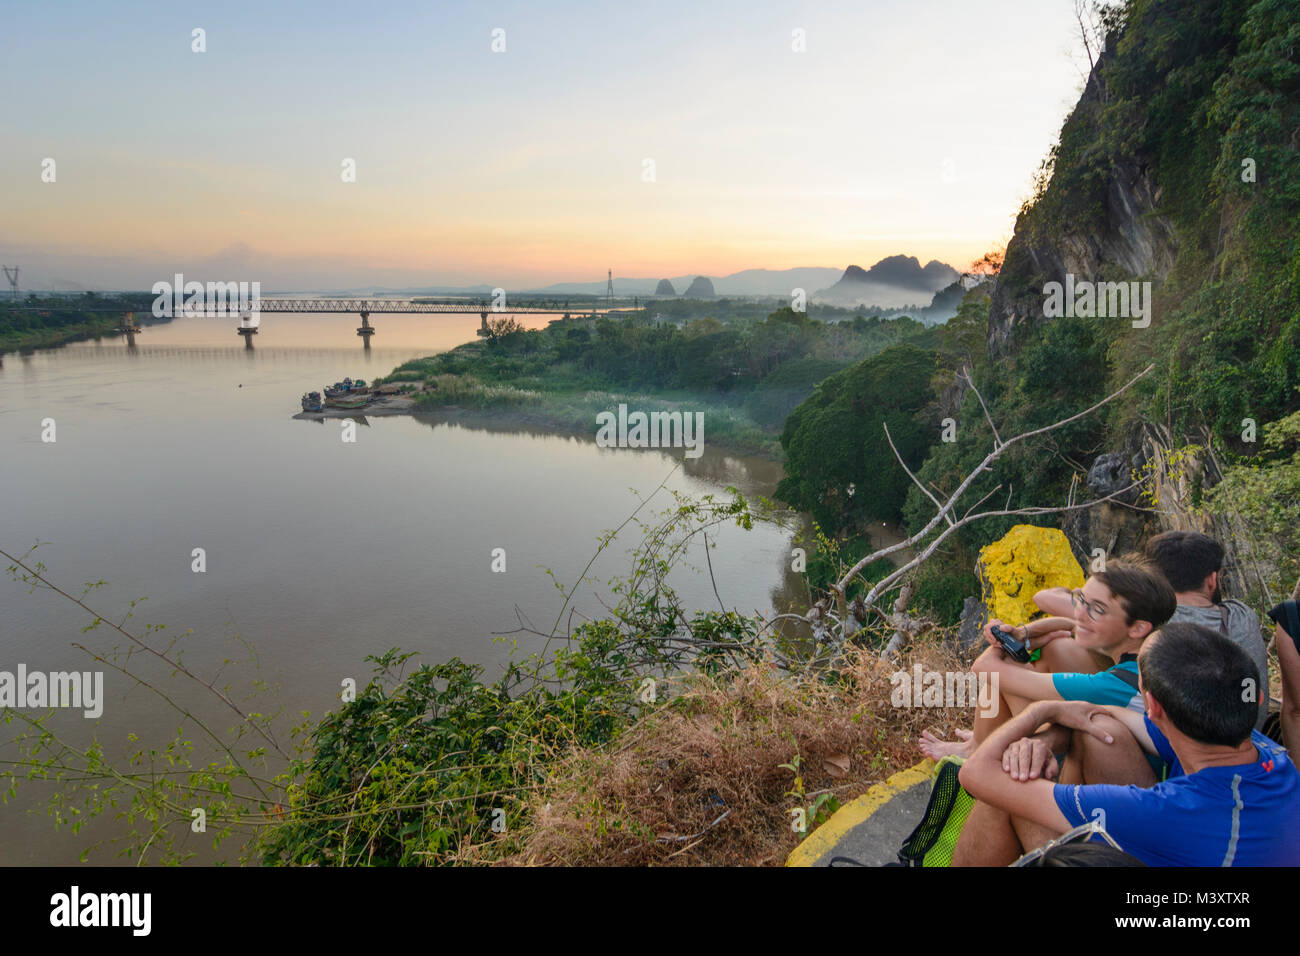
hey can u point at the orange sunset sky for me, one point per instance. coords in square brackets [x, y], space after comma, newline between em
[655, 139]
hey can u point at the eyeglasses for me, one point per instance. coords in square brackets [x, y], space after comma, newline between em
[1095, 611]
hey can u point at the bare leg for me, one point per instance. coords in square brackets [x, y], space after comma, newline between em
[1008, 705]
[988, 839]
[1032, 835]
[1123, 762]
[1064, 656]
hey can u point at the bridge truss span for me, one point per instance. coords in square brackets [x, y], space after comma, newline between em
[399, 306]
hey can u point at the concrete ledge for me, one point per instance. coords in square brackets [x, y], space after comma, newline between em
[871, 828]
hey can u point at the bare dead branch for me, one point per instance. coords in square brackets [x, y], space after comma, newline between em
[992, 456]
[915, 480]
[997, 439]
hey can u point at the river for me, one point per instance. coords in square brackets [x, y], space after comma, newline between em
[317, 551]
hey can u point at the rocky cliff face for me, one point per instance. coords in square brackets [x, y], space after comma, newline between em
[1150, 452]
[1134, 239]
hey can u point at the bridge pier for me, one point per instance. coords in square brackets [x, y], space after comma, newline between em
[129, 328]
[366, 329]
[483, 329]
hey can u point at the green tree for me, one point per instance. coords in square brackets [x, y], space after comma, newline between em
[839, 465]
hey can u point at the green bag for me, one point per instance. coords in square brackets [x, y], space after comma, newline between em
[935, 838]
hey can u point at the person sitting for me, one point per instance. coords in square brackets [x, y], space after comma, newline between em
[1232, 797]
[1193, 563]
[1114, 612]
[1287, 618]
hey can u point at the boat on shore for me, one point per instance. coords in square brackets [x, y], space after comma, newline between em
[361, 402]
[311, 402]
[345, 387]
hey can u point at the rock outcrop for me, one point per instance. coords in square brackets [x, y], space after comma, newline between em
[700, 288]
[1148, 451]
[1133, 238]
[665, 288]
[1023, 561]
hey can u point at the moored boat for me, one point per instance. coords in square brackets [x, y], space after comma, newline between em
[311, 402]
[347, 402]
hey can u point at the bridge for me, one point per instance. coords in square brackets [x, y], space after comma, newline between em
[368, 307]
[365, 308]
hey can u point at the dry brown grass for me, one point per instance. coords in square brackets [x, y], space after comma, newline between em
[719, 746]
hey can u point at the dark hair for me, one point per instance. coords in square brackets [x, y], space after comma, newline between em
[1187, 558]
[1142, 590]
[1085, 854]
[1197, 675]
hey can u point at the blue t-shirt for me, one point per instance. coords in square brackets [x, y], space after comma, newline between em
[1103, 688]
[1240, 815]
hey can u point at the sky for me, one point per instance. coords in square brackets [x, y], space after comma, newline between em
[653, 139]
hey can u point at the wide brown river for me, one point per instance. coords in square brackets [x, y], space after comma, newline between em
[317, 551]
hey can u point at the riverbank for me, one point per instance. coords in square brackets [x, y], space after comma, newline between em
[744, 374]
[18, 340]
[50, 321]
[466, 401]
[575, 414]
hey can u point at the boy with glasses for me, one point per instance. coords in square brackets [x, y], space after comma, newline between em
[1113, 613]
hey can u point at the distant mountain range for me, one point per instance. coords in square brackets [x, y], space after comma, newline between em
[892, 282]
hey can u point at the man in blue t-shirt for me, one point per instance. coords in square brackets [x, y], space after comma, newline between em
[1232, 797]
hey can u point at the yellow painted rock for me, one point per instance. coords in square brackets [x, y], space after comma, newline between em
[1025, 560]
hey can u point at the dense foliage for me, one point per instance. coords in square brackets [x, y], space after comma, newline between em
[762, 367]
[836, 442]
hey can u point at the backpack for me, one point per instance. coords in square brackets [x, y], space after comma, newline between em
[935, 837]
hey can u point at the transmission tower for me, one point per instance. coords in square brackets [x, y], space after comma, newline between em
[12, 276]
[609, 290]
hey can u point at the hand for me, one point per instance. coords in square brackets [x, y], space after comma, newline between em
[1030, 758]
[1077, 715]
[988, 631]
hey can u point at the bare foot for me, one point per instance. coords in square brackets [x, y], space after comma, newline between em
[937, 749]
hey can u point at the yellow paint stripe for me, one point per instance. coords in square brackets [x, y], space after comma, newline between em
[829, 834]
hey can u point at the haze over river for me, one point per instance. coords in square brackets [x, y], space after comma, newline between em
[318, 552]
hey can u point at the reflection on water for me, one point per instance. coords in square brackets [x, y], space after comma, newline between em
[318, 551]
